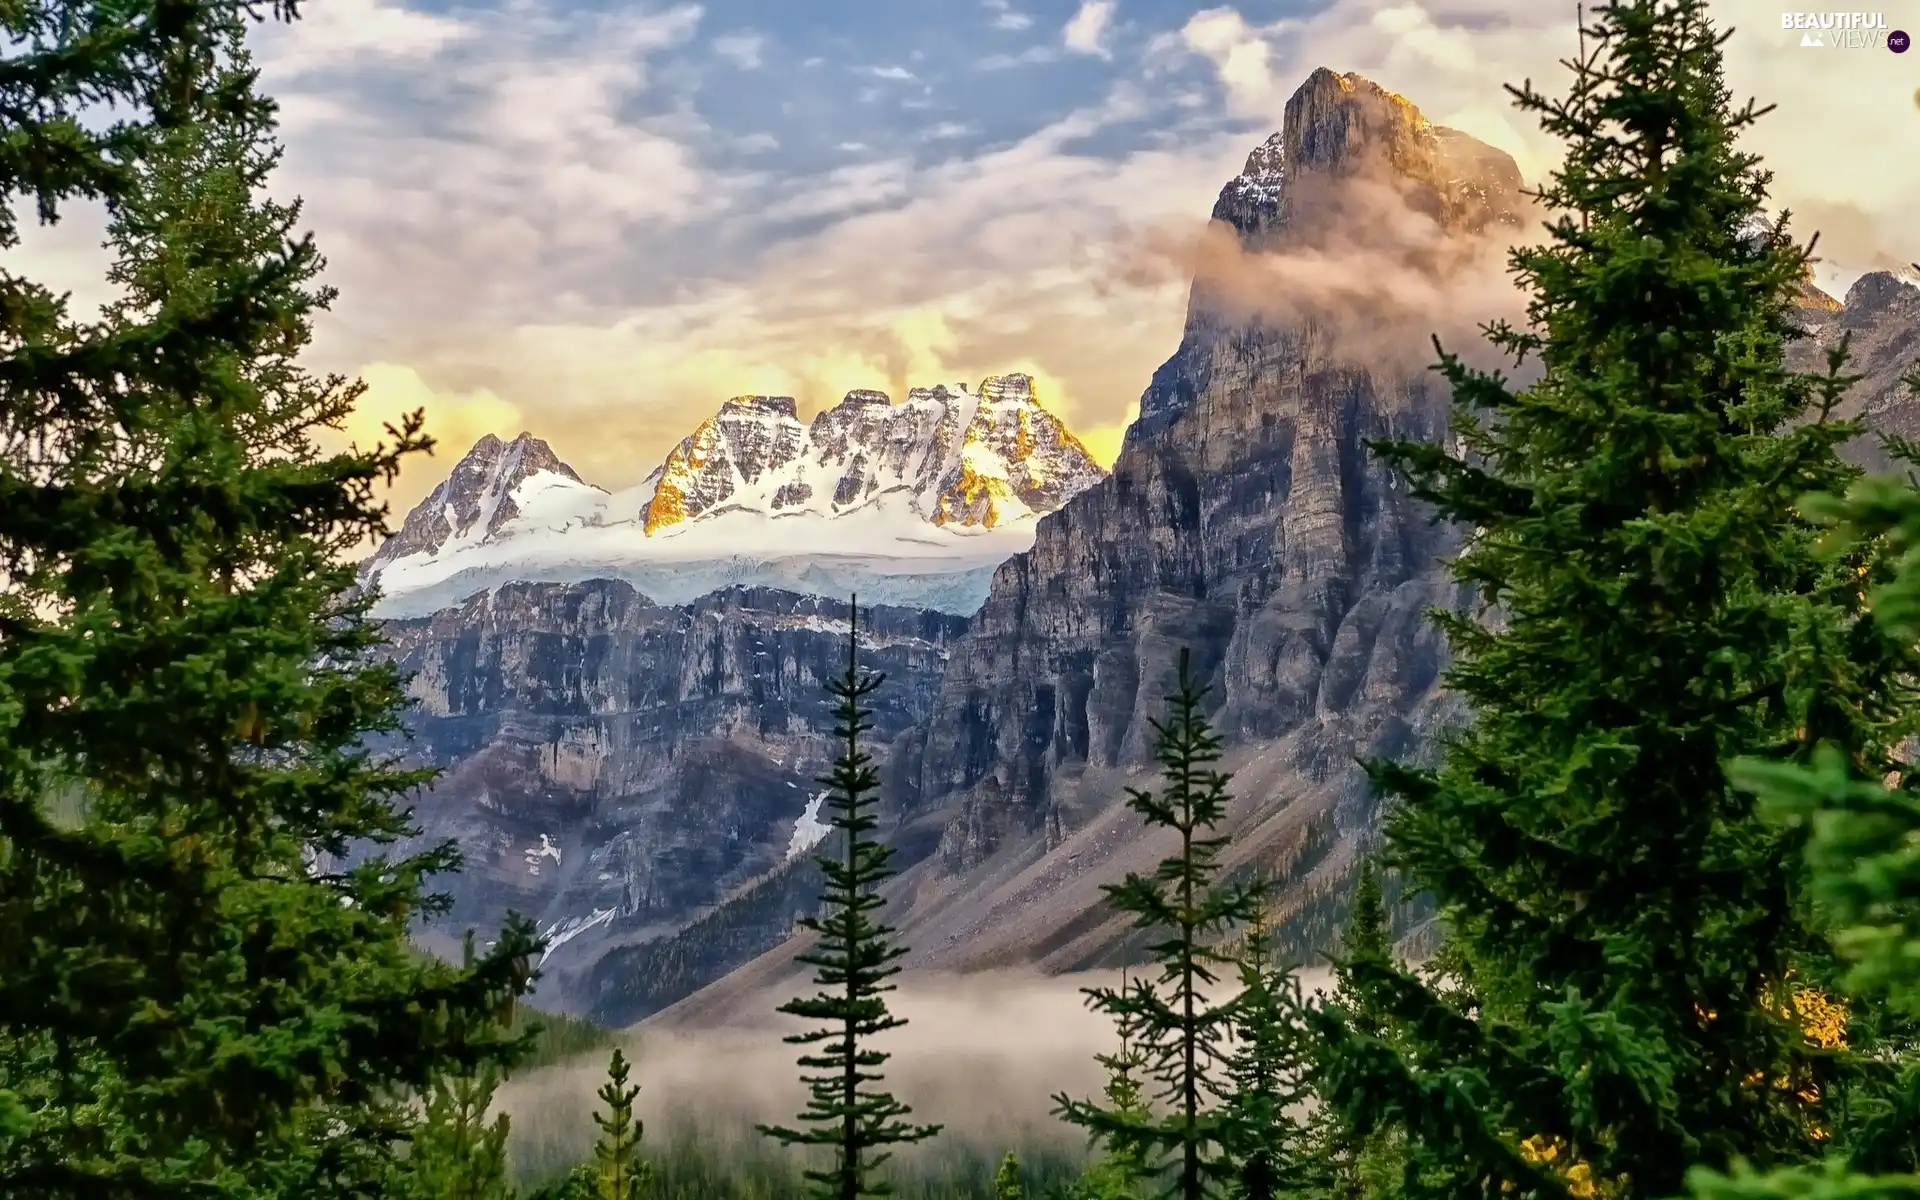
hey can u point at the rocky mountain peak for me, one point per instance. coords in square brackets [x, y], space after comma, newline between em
[478, 496]
[779, 406]
[958, 458]
[1878, 290]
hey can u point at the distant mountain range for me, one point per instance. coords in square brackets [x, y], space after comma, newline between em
[631, 738]
[910, 504]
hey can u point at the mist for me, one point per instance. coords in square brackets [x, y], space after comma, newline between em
[982, 1054]
[1376, 275]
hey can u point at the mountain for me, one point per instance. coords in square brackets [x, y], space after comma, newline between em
[629, 724]
[614, 767]
[1246, 521]
[911, 505]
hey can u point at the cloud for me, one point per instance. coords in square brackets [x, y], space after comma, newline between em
[741, 49]
[1083, 32]
[488, 184]
[1008, 18]
[348, 31]
[890, 72]
[1240, 55]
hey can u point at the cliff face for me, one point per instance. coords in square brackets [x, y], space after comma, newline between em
[1245, 519]
[614, 767]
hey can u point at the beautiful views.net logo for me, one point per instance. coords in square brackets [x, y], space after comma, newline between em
[1845, 30]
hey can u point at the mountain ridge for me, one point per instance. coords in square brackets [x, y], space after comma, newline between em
[912, 504]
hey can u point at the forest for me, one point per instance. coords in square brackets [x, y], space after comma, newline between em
[1674, 853]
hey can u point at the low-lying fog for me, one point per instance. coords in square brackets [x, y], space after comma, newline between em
[981, 1054]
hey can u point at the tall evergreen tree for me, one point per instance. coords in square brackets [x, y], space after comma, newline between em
[1267, 1073]
[622, 1173]
[852, 957]
[190, 1002]
[1178, 1025]
[1625, 920]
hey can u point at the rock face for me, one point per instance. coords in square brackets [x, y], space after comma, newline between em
[911, 505]
[1880, 318]
[614, 767]
[1245, 520]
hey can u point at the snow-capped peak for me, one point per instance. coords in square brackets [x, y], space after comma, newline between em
[960, 459]
[915, 502]
[495, 484]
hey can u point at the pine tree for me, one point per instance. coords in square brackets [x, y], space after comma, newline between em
[1625, 921]
[1180, 1030]
[1006, 1180]
[1267, 1073]
[622, 1174]
[852, 957]
[190, 1003]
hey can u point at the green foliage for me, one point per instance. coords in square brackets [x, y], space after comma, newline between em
[621, 1173]
[1267, 1071]
[1360, 1166]
[1625, 924]
[192, 1000]
[1181, 1033]
[557, 1037]
[1864, 853]
[1006, 1179]
[852, 958]
[455, 1153]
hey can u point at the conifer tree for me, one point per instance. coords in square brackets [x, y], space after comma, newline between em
[455, 1152]
[1864, 852]
[853, 956]
[1179, 1027]
[1006, 1180]
[1265, 1134]
[1357, 1167]
[622, 1173]
[1122, 1168]
[190, 1003]
[1623, 918]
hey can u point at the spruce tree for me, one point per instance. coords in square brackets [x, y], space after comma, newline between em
[1267, 1073]
[622, 1174]
[1864, 851]
[1624, 919]
[1121, 1169]
[190, 1002]
[1181, 1030]
[853, 956]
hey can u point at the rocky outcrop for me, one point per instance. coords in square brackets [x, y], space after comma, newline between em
[615, 767]
[1245, 520]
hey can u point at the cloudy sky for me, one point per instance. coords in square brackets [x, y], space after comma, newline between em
[595, 219]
